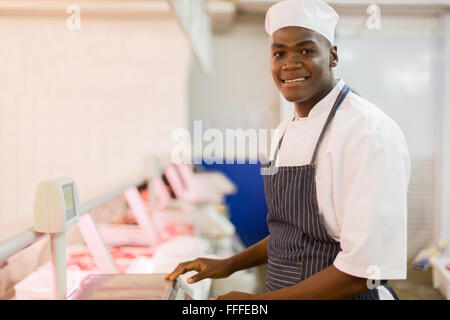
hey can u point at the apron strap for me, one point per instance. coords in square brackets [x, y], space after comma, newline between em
[342, 94]
[278, 146]
[344, 91]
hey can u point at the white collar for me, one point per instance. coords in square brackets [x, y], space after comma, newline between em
[323, 105]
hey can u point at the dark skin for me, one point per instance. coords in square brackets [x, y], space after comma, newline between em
[299, 52]
[301, 63]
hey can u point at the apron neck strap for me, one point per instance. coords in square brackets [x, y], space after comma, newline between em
[342, 94]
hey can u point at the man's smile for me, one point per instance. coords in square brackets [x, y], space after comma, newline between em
[293, 82]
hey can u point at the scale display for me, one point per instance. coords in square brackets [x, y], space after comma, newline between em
[68, 199]
[56, 206]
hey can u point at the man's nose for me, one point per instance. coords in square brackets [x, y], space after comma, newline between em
[292, 65]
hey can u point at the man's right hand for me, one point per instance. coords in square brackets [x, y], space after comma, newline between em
[206, 268]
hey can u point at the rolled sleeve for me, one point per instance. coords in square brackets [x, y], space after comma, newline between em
[372, 206]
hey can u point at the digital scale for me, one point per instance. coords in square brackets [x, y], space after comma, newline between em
[56, 208]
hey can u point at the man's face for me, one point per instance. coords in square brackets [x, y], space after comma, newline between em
[301, 62]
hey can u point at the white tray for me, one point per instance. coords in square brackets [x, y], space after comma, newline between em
[441, 276]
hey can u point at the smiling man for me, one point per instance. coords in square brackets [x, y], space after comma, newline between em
[337, 200]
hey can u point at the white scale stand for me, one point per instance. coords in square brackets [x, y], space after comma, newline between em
[57, 208]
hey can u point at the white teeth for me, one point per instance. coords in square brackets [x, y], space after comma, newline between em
[295, 80]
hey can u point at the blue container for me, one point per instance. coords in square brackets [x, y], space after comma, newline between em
[247, 207]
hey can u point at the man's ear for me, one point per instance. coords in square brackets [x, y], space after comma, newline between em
[334, 59]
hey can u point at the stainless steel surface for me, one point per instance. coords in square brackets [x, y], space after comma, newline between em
[129, 287]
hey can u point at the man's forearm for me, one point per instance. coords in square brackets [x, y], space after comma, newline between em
[330, 283]
[251, 257]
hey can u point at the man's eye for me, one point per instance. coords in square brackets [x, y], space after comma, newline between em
[306, 51]
[278, 54]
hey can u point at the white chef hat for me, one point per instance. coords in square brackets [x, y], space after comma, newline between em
[312, 14]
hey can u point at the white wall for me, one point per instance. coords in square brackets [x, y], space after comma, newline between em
[442, 222]
[240, 93]
[88, 103]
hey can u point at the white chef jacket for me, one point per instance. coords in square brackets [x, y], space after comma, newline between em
[362, 176]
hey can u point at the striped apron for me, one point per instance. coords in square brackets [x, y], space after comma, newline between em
[299, 245]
